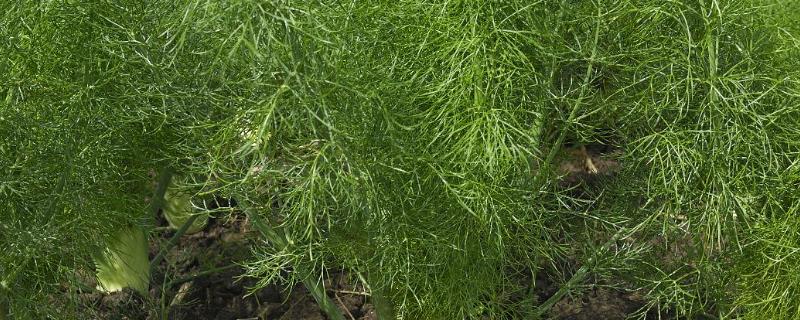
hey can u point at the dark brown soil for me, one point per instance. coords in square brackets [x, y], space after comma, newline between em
[199, 279]
[598, 303]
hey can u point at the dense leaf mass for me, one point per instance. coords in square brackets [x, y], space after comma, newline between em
[416, 144]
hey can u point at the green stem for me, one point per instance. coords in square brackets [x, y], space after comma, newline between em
[315, 287]
[325, 303]
[383, 306]
[576, 107]
[576, 278]
[3, 305]
[164, 178]
[172, 242]
[581, 274]
[200, 274]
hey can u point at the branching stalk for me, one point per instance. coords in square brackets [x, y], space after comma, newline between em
[172, 242]
[576, 278]
[315, 287]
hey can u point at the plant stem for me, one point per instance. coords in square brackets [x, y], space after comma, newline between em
[164, 178]
[540, 179]
[172, 242]
[383, 306]
[314, 286]
[3, 305]
[576, 278]
[200, 274]
[580, 275]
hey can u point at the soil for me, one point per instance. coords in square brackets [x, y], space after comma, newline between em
[199, 278]
[598, 303]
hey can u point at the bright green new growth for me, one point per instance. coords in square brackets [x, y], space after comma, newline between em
[413, 144]
[124, 263]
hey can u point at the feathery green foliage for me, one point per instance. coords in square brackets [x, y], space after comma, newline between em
[415, 143]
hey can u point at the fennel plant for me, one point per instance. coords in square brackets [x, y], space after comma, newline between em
[415, 145]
